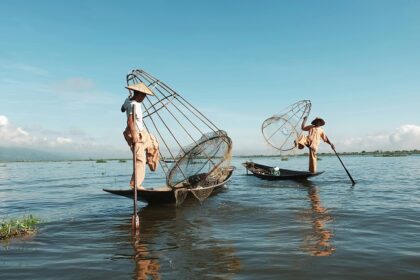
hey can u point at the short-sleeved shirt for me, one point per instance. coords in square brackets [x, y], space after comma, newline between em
[315, 135]
[128, 105]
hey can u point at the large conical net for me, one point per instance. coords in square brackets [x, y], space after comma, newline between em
[281, 130]
[201, 158]
[194, 153]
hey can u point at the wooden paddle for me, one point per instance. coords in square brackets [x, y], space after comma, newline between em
[348, 173]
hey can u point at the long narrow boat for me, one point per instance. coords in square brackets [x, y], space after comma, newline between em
[271, 173]
[165, 194]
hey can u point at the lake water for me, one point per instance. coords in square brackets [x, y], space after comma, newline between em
[320, 229]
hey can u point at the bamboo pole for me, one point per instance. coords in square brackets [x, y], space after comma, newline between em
[135, 219]
[348, 173]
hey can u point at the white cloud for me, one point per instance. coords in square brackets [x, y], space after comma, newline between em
[22, 132]
[4, 121]
[15, 136]
[405, 137]
[10, 134]
[63, 140]
[74, 141]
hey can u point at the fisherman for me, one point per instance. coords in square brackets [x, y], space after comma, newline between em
[315, 134]
[147, 148]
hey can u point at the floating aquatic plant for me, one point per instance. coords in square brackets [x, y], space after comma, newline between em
[18, 227]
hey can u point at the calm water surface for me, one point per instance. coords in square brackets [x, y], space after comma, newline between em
[320, 229]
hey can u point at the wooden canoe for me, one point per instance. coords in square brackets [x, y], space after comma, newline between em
[165, 194]
[266, 172]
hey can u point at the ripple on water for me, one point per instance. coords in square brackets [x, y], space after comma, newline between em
[320, 229]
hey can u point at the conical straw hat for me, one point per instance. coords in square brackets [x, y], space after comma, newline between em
[318, 120]
[140, 87]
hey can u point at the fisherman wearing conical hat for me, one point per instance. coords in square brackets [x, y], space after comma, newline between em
[135, 133]
[312, 140]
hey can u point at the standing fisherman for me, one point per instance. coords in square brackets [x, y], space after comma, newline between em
[135, 133]
[315, 134]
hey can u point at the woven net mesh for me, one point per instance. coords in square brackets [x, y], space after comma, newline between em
[205, 163]
[280, 131]
[180, 195]
[205, 188]
[200, 162]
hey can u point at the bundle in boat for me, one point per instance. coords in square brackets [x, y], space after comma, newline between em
[195, 154]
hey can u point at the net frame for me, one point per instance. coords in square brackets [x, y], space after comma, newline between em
[296, 112]
[191, 125]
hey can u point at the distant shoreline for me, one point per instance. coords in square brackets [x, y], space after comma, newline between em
[377, 153]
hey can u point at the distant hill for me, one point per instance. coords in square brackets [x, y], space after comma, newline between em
[27, 154]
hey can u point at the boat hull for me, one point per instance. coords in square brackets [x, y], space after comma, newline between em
[264, 172]
[164, 195]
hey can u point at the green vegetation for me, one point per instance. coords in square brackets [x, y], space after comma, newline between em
[18, 227]
[101, 161]
[122, 160]
[379, 153]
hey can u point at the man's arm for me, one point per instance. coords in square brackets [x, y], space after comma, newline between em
[132, 126]
[305, 128]
[326, 140]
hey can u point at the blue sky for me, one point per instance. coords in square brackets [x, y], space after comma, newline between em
[63, 67]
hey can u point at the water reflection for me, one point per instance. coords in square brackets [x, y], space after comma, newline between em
[146, 265]
[180, 241]
[319, 241]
